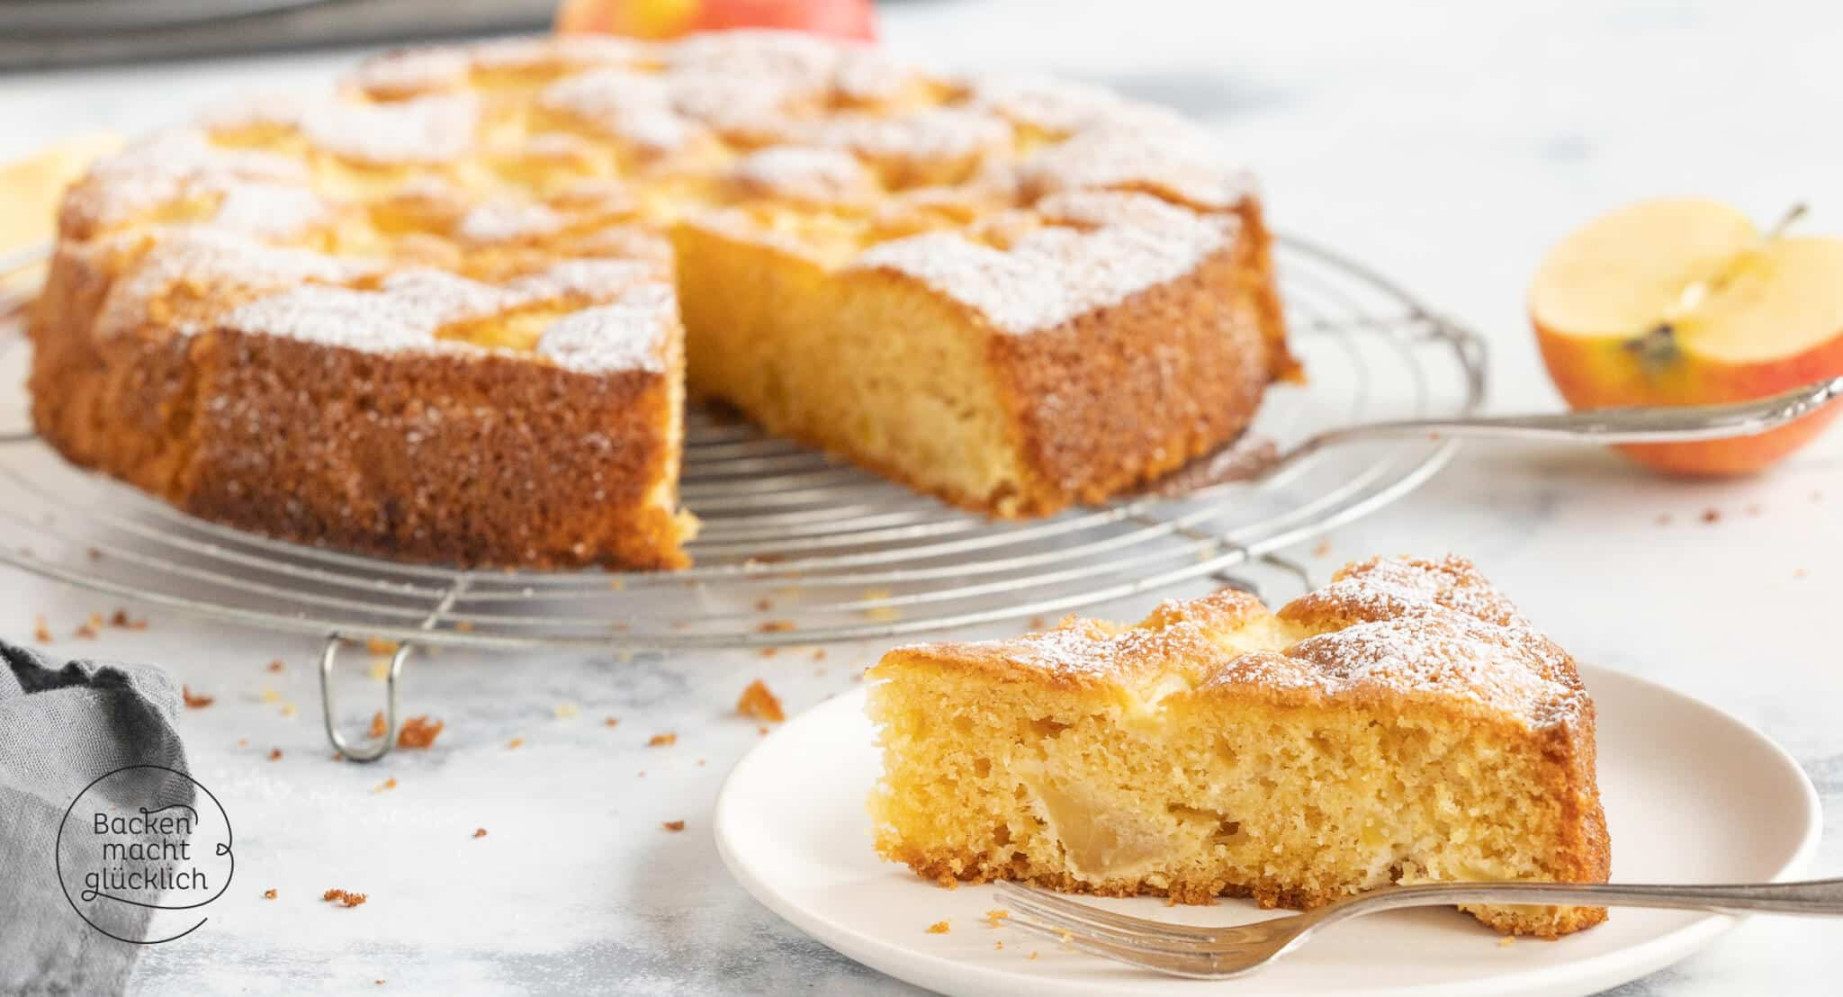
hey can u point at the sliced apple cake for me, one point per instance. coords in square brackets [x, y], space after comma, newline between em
[1404, 724]
[437, 314]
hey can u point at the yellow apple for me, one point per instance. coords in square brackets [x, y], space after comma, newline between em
[1683, 301]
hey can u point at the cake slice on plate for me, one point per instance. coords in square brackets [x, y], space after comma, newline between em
[1403, 724]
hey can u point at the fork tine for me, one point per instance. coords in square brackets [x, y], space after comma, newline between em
[1196, 966]
[1086, 914]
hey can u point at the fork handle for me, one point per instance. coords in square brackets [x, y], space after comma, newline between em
[1640, 424]
[1817, 896]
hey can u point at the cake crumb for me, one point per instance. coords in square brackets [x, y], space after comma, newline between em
[276, 665]
[1000, 946]
[673, 825]
[939, 928]
[378, 727]
[40, 631]
[515, 742]
[994, 917]
[380, 646]
[120, 620]
[564, 711]
[759, 702]
[84, 631]
[345, 898]
[388, 784]
[480, 832]
[617, 584]
[1037, 623]
[1322, 548]
[419, 732]
[819, 654]
[665, 740]
[464, 626]
[379, 670]
[1506, 941]
[764, 604]
[268, 894]
[763, 731]
[776, 626]
[611, 722]
[269, 695]
[275, 754]
[1798, 572]
[1711, 515]
[195, 700]
[769, 652]
[243, 742]
[288, 710]
[1033, 953]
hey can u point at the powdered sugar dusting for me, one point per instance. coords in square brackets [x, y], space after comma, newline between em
[337, 316]
[165, 167]
[1049, 105]
[1051, 275]
[932, 134]
[820, 176]
[269, 210]
[216, 263]
[1144, 149]
[628, 334]
[1391, 629]
[412, 71]
[507, 220]
[435, 129]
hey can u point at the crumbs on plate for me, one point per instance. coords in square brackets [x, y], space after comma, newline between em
[345, 898]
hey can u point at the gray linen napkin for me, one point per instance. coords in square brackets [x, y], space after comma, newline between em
[63, 724]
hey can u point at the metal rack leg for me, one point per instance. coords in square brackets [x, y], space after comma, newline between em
[377, 749]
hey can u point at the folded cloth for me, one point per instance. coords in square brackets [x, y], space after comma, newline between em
[62, 725]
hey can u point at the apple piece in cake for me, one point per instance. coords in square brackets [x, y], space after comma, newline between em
[1403, 724]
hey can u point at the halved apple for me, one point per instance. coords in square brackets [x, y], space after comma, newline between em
[1684, 301]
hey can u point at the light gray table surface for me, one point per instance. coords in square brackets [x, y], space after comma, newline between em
[1447, 144]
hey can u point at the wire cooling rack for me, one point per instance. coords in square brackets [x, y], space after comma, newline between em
[798, 548]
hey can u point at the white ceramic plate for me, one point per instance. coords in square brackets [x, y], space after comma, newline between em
[1691, 795]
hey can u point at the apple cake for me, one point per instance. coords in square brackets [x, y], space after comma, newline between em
[1403, 724]
[450, 310]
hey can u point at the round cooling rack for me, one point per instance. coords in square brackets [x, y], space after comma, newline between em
[796, 547]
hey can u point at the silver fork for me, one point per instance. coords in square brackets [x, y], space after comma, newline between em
[1221, 953]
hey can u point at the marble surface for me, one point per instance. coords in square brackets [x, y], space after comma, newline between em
[1447, 144]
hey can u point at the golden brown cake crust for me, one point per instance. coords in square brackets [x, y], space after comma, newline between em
[1417, 645]
[467, 459]
[1096, 278]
